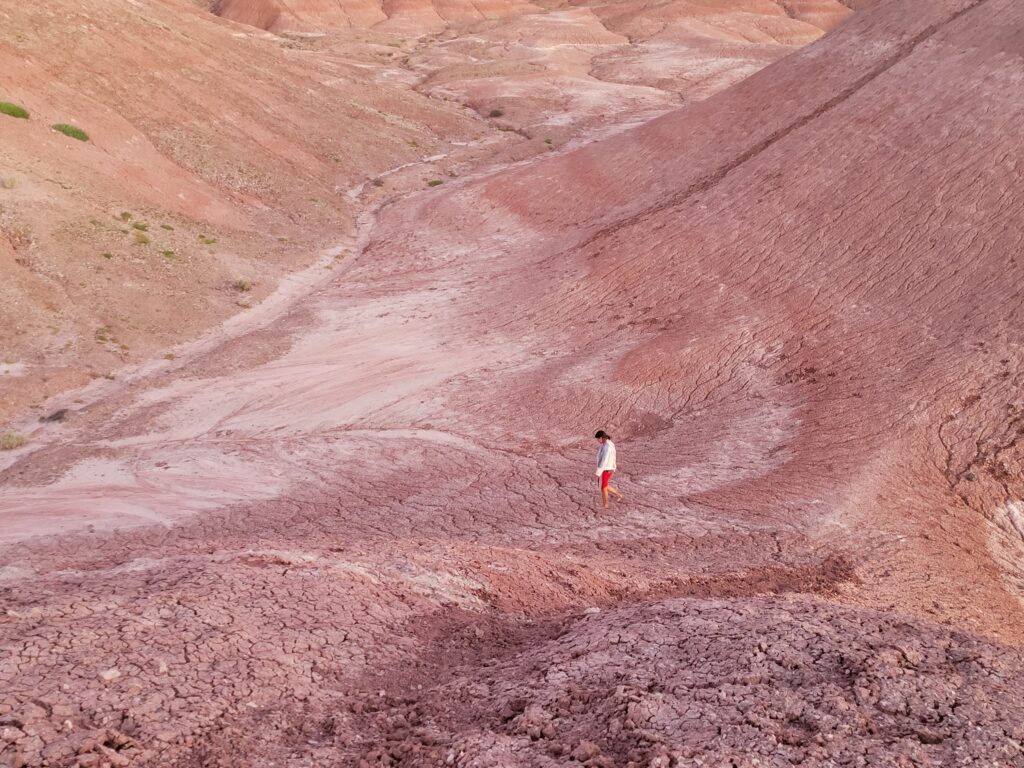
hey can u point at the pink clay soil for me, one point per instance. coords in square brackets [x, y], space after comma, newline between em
[358, 524]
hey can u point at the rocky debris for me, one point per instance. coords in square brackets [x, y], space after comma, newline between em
[158, 649]
[712, 682]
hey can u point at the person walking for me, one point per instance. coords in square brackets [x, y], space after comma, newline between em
[606, 467]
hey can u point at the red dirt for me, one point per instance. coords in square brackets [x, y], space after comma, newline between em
[360, 528]
[244, 155]
[692, 682]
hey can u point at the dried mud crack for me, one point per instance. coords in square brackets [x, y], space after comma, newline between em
[680, 682]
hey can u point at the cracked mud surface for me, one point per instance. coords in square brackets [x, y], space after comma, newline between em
[709, 682]
[365, 531]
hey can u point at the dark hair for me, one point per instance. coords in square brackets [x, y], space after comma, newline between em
[601, 433]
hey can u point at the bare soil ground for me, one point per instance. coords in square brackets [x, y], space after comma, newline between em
[221, 157]
[358, 525]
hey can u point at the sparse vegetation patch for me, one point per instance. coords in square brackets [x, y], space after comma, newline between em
[168, 227]
[496, 112]
[207, 240]
[141, 226]
[8, 182]
[11, 440]
[434, 183]
[142, 239]
[13, 110]
[242, 286]
[72, 131]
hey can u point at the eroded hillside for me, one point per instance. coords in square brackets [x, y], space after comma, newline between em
[219, 158]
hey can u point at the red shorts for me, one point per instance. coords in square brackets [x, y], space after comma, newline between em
[605, 477]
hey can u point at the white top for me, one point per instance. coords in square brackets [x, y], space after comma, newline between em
[606, 458]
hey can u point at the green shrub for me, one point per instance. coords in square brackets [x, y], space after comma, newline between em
[242, 286]
[11, 440]
[125, 216]
[496, 113]
[141, 226]
[142, 239]
[168, 227]
[434, 183]
[168, 254]
[8, 182]
[207, 240]
[108, 255]
[13, 110]
[70, 130]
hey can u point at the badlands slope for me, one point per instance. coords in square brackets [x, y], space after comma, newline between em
[242, 155]
[360, 528]
[231, 152]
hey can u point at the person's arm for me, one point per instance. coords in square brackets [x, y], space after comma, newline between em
[601, 459]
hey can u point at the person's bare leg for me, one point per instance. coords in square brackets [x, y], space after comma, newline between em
[604, 497]
[613, 492]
